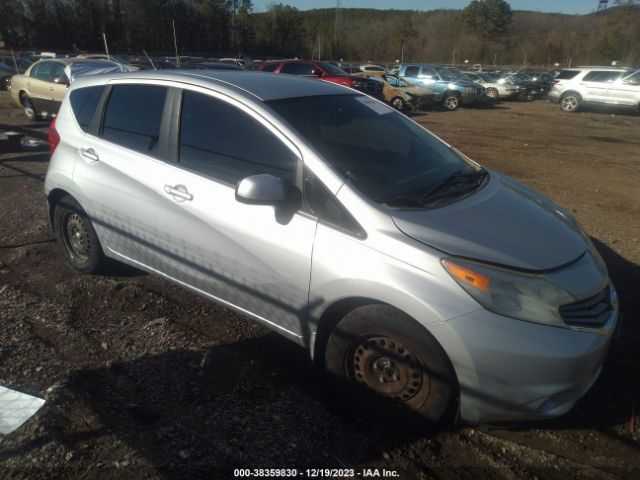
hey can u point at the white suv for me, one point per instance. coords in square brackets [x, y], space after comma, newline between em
[611, 86]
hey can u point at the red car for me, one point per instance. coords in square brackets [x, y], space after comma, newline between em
[323, 71]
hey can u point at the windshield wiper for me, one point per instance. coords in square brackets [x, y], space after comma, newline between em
[428, 197]
[452, 179]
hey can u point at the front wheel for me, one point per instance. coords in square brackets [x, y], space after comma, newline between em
[76, 235]
[386, 364]
[399, 104]
[493, 94]
[451, 101]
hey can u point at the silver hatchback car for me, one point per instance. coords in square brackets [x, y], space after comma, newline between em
[411, 273]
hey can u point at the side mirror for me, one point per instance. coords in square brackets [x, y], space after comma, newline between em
[262, 189]
[62, 80]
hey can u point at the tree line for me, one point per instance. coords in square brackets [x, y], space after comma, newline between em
[486, 31]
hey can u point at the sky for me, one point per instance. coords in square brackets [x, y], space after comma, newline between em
[561, 6]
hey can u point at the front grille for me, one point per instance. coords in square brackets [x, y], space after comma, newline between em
[591, 312]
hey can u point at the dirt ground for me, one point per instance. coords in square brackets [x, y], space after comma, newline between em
[146, 380]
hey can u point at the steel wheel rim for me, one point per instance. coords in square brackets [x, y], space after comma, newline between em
[389, 368]
[28, 108]
[451, 103]
[569, 103]
[398, 103]
[492, 93]
[76, 237]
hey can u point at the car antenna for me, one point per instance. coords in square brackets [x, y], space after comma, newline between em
[106, 47]
[149, 58]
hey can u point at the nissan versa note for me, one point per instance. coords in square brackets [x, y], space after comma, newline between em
[405, 268]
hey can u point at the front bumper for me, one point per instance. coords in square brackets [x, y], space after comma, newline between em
[511, 370]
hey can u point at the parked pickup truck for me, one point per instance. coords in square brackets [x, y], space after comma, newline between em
[450, 86]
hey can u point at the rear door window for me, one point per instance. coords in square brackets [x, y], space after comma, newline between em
[84, 102]
[133, 116]
[225, 143]
[412, 71]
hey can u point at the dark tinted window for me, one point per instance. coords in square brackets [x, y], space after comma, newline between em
[133, 115]
[602, 76]
[297, 68]
[412, 71]
[270, 68]
[326, 207]
[84, 102]
[225, 143]
[567, 74]
[380, 151]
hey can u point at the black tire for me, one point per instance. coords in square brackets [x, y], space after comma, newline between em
[570, 102]
[77, 237]
[451, 101]
[384, 363]
[493, 94]
[29, 108]
[399, 104]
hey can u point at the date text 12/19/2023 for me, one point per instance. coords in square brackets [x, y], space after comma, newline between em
[314, 473]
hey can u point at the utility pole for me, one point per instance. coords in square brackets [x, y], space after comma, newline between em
[335, 27]
[402, 53]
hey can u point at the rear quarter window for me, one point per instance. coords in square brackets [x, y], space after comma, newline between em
[269, 68]
[567, 74]
[84, 102]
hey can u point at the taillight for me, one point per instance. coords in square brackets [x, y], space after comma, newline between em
[54, 138]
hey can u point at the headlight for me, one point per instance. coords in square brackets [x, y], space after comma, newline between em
[513, 294]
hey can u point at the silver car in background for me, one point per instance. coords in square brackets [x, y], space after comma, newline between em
[495, 89]
[424, 283]
[604, 86]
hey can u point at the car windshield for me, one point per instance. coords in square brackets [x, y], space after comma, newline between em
[388, 157]
[332, 69]
[450, 74]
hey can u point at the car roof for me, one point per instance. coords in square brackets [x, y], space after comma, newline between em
[259, 85]
[72, 60]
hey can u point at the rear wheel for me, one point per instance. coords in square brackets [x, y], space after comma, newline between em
[76, 235]
[386, 364]
[451, 101]
[570, 102]
[29, 108]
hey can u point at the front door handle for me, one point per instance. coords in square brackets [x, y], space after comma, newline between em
[89, 154]
[179, 193]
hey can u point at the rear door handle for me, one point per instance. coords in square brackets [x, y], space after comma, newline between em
[89, 154]
[179, 193]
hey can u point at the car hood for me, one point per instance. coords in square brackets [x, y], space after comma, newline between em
[503, 223]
